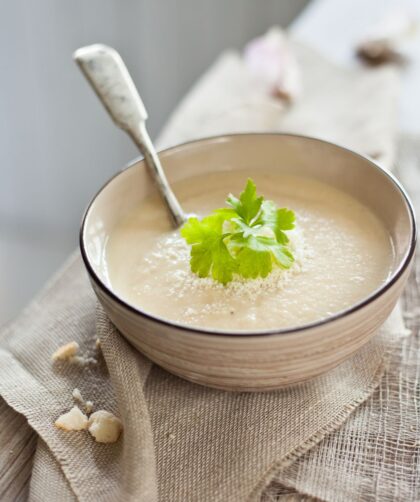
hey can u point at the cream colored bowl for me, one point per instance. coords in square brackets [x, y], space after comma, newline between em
[262, 360]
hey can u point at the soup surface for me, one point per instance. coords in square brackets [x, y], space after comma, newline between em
[342, 254]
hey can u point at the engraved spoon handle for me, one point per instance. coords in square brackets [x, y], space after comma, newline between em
[109, 77]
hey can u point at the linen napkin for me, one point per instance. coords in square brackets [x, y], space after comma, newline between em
[375, 455]
[182, 441]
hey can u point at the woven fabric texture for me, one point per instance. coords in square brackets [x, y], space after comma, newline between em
[184, 441]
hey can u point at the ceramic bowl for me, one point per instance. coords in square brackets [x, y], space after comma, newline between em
[267, 359]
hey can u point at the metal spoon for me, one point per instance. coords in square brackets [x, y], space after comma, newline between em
[109, 77]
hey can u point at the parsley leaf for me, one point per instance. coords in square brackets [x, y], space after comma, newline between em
[209, 254]
[248, 205]
[247, 239]
[277, 219]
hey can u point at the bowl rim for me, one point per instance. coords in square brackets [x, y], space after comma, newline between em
[378, 292]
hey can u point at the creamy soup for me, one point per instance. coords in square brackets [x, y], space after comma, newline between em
[342, 254]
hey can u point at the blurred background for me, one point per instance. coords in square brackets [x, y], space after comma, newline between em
[57, 145]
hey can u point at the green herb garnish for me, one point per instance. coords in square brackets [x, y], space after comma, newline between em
[247, 239]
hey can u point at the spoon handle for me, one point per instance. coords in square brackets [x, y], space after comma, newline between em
[109, 77]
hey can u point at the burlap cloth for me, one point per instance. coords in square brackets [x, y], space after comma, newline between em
[184, 442]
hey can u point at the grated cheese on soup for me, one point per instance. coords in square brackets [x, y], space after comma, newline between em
[342, 253]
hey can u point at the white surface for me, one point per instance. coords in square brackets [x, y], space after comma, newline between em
[334, 28]
[27, 259]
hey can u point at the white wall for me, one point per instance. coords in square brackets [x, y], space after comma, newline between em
[57, 146]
